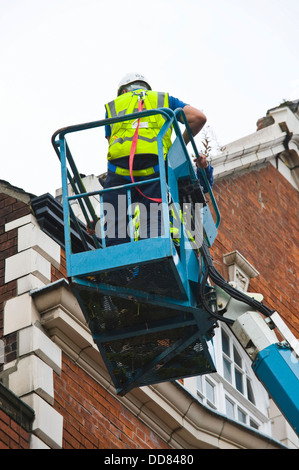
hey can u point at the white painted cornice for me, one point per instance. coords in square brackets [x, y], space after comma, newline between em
[255, 149]
[277, 143]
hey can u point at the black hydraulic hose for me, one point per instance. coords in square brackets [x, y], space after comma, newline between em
[230, 290]
[203, 275]
[210, 271]
[202, 295]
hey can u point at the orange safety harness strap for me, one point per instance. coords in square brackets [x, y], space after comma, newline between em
[132, 154]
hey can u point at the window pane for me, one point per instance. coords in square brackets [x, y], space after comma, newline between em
[225, 343]
[239, 381]
[250, 394]
[237, 358]
[253, 424]
[229, 408]
[227, 370]
[241, 416]
[210, 392]
[199, 383]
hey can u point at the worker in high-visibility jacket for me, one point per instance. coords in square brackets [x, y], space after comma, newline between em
[132, 88]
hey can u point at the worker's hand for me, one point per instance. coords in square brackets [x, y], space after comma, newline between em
[201, 161]
[91, 230]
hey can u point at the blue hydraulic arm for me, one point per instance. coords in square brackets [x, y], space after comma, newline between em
[274, 362]
[278, 369]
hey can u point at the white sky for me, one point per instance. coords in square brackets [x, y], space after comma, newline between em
[61, 61]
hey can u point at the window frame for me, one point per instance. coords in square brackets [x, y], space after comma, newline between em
[256, 413]
[236, 368]
[202, 392]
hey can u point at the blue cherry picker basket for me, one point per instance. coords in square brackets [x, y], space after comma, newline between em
[140, 299]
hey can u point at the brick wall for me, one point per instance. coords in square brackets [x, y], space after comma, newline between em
[12, 435]
[259, 218]
[15, 421]
[61, 272]
[93, 419]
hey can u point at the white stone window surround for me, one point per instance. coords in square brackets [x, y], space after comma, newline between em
[240, 271]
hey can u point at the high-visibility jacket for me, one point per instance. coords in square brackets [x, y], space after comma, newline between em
[122, 132]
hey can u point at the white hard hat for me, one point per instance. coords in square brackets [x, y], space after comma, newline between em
[131, 78]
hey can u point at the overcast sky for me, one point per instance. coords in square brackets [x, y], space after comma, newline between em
[61, 61]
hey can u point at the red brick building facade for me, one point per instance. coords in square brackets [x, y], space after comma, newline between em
[93, 419]
[259, 211]
[15, 421]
